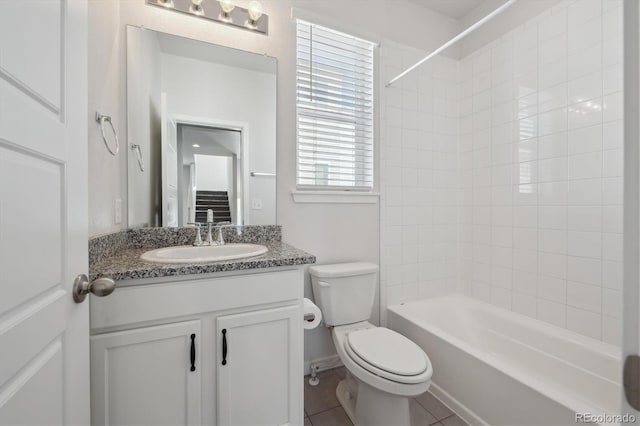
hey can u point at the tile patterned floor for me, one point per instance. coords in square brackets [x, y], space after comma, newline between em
[321, 407]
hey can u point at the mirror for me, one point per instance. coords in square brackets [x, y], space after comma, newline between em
[201, 127]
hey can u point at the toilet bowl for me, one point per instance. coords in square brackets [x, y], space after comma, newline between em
[384, 368]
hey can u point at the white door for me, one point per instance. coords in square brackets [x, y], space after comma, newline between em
[147, 376]
[169, 138]
[259, 367]
[44, 342]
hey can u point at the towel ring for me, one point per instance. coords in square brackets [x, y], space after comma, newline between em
[138, 150]
[101, 119]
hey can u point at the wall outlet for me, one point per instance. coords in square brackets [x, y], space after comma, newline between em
[256, 204]
[118, 211]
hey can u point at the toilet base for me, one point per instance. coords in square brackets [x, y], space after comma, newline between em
[372, 407]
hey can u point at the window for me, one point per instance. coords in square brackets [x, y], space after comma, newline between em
[334, 109]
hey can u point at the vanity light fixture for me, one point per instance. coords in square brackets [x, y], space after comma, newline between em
[255, 13]
[196, 7]
[221, 11]
[227, 7]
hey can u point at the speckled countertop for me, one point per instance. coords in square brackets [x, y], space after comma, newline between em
[118, 255]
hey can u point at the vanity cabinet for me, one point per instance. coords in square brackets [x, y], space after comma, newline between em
[217, 350]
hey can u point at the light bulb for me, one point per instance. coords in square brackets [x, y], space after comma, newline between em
[255, 10]
[196, 8]
[226, 6]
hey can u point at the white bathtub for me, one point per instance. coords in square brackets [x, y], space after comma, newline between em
[497, 367]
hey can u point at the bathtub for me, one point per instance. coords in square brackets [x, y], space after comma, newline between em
[497, 367]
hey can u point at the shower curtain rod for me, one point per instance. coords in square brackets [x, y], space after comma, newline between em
[452, 41]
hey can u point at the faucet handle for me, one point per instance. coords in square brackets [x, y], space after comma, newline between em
[224, 223]
[198, 240]
[196, 224]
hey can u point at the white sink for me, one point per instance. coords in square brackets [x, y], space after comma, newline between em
[203, 254]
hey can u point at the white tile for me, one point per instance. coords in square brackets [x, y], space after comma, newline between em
[585, 218]
[612, 191]
[552, 217]
[525, 151]
[552, 265]
[553, 145]
[612, 275]
[525, 282]
[585, 139]
[525, 238]
[553, 289]
[501, 297]
[525, 260]
[584, 296]
[501, 154]
[553, 169]
[588, 113]
[612, 79]
[585, 61]
[587, 87]
[552, 312]
[612, 247]
[612, 330]
[612, 51]
[501, 51]
[584, 322]
[552, 241]
[526, 82]
[613, 109]
[552, 49]
[552, 74]
[552, 193]
[612, 303]
[585, 166]
[585, 244]
[552, 97]
[553, 25]
[583, 11]
[612, 134]
[524, 304]
[585, 191]
[612, 219]
[527, 105]
[585, 35]
[584, 270]
[553, 121]
[612, 24]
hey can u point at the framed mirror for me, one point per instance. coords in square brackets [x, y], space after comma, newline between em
[201, 127]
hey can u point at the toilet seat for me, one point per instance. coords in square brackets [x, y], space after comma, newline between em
[388, 354]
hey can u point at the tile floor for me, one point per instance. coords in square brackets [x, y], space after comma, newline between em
[321, 407]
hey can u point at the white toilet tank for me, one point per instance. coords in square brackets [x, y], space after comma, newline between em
[344, 292]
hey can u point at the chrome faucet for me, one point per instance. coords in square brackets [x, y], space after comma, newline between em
[220, 226]
[198, 241]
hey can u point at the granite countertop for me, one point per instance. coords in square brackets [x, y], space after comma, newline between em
[121, 260]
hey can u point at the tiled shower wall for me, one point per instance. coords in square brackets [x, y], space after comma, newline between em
[419, 177]
[514, 195]
[541, 163]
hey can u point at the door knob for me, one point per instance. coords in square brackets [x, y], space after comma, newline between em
[99, 287]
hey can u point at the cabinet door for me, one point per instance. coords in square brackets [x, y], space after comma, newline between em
[260, 375]
[145, 376]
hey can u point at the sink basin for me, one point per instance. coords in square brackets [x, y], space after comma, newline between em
[203, 254]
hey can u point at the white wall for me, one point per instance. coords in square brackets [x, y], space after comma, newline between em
[212, 173]
[541, 160]
[332, 232]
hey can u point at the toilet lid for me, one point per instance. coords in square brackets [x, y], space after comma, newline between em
[388, 351]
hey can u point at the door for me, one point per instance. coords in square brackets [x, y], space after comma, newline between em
[169, 152]
[147, 376]
[259, 366]
[44, 342]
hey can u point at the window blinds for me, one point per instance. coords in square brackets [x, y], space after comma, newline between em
[334, 109]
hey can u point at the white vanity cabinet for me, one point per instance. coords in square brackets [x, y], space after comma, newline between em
[222, 349]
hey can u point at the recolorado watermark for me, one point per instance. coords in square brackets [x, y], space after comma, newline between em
[605, 418]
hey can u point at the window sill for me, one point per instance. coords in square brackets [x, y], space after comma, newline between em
[335, 197]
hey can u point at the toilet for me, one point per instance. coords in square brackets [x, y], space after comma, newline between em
[384, 368]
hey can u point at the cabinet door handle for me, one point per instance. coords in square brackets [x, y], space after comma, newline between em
[193, 352]
[224, 346]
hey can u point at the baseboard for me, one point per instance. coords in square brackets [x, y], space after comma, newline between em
[456, 406]
[325, 363]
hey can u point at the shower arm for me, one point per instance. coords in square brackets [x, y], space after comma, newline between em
[453, 41]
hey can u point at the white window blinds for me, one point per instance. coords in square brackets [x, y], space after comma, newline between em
[334, 109]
